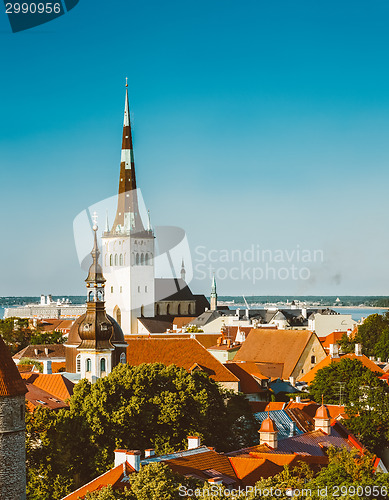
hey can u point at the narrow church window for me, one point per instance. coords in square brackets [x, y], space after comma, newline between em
[121, 289]
[122, 358]
[146, 288]
[116, 259]
[121, 259]
[111, 289]
[137, 259]
[110, 260]
[142, 260]
[147, 260]
[78, 364]
[88, 365]
[138, 289]
[313, 359]
[102, 366]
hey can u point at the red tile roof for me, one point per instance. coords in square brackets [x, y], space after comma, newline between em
[114, 477]
[56, 384]
[274, 347]
[248, 384]
[250, 469]
[205, 339]
[181, 352]
[328, 360]
[182, 321]
[36, 397]
[11, 383]
[332, 338]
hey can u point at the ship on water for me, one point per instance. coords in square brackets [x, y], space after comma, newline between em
[47, 308]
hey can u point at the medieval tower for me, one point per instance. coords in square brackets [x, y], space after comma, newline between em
[128, 248]
[12, 429]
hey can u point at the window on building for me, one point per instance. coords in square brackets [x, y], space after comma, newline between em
[137, 259]
[78, 363]
[122, 358]
[111, 260]
[116, 259]
[102, 366]
[121, 259]
[146, 288]
[88, 365]
[142, 260]
[138, 289]
[147, 259]
[313, 359]
[111, 289]
[121, 289]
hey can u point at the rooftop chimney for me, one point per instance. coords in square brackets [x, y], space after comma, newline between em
[292, 381]
[193, 442]
[334, 350]
[358, 349]
[133, 458]
[298, 399]
[47, 367]
[150, 452]
[304, 312]
[120, 457]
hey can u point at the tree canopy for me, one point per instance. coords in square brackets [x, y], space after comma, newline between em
[146, 406]
[373, 334]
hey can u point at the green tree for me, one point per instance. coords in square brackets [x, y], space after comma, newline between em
[16, 333]
[351, 373]
[39, 337]
[193, 329]
[370, 332]
[146, 406]
[33, 362]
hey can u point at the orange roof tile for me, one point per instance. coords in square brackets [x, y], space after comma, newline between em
[113, 477]
[258, 406]
[11, 383]
[274, 347]
[308, 377]
[56, 384]
[181, 352]
[182, 321]
[250, 469]
[202, 462]
[205, 339]
[332, 338]
[248, 384]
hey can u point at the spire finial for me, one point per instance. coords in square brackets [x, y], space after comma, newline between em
[126, 81]
[322, 399]
[94, 218]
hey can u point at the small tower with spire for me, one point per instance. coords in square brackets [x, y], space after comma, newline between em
[183, 271]
[213, 295]
[128, 248]
[322, 418]
[268, 433]
[100, 340]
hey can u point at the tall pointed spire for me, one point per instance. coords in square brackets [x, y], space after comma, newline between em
[213, 295]
[127, 214]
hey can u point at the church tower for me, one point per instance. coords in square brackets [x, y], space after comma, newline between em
[128, 248]
[12, 429]
[96, 343]
[213, 295]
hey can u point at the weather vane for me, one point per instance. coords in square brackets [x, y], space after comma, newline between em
[94, 218]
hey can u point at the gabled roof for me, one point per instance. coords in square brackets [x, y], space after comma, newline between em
[181, 321]
[11, 383]
[206, 339]
[248, 383]
[332, 338]
[310, 408]
[206, 317]
[308, 377]
[56, 384]
[250, 469]
[283, 421]
[157, 325]
[181, 352]
[39, 352]
[117, 477]
[275, 347]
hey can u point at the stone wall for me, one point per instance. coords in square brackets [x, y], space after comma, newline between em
[12, 448]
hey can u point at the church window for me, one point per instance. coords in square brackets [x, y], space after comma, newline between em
[78, 363]
[168, 309]
[151, 259]
[313, 359]
[122, 358]
[111, 289]
[146, 288]
[147, 259]
[121, 289]
[102, 366]
[121, 259]
[138, 289]
[142, 260]
[88, 365]
[111, 260]
[190, 309]
[116, 259]
[137, 259]
[157, 310]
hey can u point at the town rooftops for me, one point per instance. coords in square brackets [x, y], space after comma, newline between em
[184, 353]
[55, 384]
[11, 383]
[38, 397]
[307, 378]
[42, 351]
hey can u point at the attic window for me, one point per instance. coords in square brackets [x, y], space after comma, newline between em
[195, 368]
[313, 359]
[55, 400]
[41, 402]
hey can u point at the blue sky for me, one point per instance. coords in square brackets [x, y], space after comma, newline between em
[255, 123]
